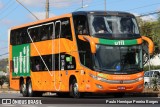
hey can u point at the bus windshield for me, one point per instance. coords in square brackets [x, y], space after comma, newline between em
[119, 59]
[113, 26]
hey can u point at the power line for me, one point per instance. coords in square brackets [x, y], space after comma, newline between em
[27, 9]
[9, 13]
[3, 54]
[3, 48]
[149, 14]
[7, 6]
[142, 6]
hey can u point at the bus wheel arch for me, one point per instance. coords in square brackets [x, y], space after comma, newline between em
[73, 87]
[30, 91]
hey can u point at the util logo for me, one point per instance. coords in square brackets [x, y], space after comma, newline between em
[21, 62]
[121, 42]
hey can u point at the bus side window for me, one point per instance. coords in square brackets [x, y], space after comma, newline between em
[66, 29]
[34, 34]
[80, 24]
[57, 30]
[21, 37]
[44, 68]
[17, 37]
[44, 33]
[27, 38]
[36, 63]
[50, 31]
[12, 40]
[84, 49]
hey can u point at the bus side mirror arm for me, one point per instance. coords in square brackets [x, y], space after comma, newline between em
[91, 42]
[150, 44]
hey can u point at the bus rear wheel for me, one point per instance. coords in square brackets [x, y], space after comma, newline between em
[23, 89]
[29, 88]
[74, 89]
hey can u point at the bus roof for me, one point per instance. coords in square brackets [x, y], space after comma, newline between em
[103, 13]
[41, 21]
[73, 13]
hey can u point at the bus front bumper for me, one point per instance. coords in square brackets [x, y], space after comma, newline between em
[99, 86]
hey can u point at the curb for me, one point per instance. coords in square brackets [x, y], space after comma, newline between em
[13, 92]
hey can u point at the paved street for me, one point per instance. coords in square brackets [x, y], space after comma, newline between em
[88, 101]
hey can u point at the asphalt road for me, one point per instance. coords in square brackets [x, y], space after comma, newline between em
[88, 101]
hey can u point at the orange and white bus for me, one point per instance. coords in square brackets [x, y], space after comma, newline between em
[77, 53]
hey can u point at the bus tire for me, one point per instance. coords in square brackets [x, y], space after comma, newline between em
[32, 93]
[29, 88]
[23, 89]
[74, 89]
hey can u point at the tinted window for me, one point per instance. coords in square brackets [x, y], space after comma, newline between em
[19, 36]
[81, 25]
[42, 32]
[84, 49]
[66, 29]
[146, 74]
[67, 62]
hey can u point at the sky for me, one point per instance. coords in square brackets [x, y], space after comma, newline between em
[13, 14]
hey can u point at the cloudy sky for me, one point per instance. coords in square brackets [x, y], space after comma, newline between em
[12, 13]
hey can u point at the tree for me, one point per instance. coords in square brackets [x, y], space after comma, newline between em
[1, 82]
[151, 30]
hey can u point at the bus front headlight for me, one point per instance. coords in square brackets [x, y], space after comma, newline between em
[139, 79]
[98, 78]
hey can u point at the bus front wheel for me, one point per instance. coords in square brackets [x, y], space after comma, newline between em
[74, 89]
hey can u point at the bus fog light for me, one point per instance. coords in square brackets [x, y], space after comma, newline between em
[99, 86]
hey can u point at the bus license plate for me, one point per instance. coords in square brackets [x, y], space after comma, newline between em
[121, 88]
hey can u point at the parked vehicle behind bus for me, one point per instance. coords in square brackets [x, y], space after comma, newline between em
[149, 76]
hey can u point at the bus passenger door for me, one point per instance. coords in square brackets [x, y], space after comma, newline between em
[84, 48]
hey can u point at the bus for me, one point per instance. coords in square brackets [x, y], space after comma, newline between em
[78, 53]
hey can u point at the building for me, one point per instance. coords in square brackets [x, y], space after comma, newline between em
[155, 61]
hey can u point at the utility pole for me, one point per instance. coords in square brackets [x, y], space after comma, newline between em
[105, 9]
[47, 9]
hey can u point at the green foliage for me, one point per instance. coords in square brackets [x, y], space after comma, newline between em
[151, 30]
[2, 80]
[3, 64]
[155, 84]
[146, 68]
